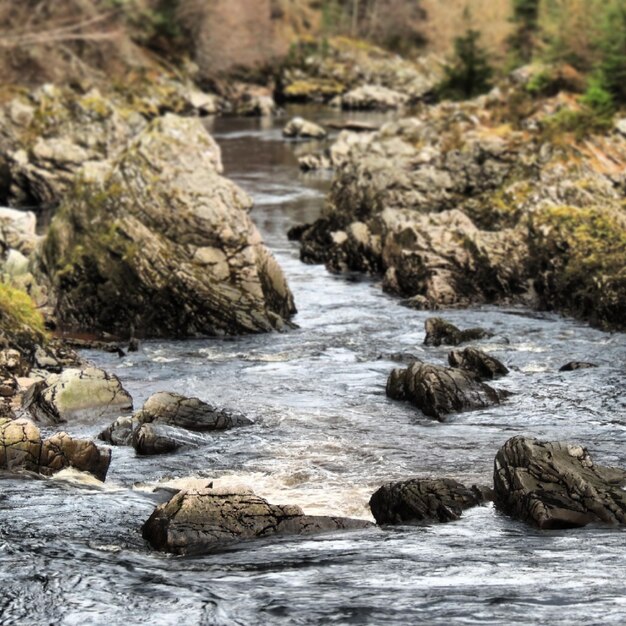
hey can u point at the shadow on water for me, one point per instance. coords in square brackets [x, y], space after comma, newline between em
[325, 436]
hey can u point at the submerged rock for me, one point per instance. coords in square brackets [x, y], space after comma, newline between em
[299, 127]
[87, 394]
[576, 365]
[197, 522]
[158, 242]
[22, 448]
[557, 485]
[150, 439]
[441, 332]
[484, 366]
[439, 391]
[424, 500]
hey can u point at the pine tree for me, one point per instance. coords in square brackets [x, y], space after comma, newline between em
[523, 40]
[469, 74]
[612, 66]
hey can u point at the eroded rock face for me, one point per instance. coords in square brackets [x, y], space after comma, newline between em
[196, 522]
[22, 448]
[557, 485]
[439, 391]
[440, 332]
[298, 127]
[88, 394]
[158, 242]
[423, 500]
[484, 366]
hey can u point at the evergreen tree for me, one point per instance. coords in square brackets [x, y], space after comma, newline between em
[612, 66]
[470, 73]
[523, 40]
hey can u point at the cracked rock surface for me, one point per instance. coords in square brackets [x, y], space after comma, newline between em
[168, 421]
[157, 241]
[196, 522]
[557, 485]
[424, 500]
[77, 394]
[484, 366]
[438, 391]
[22, 448]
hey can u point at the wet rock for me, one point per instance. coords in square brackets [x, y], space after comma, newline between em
[196, 522]
[188, 413]
[76, 394]
[20, 445]
[576, 365]
[120, 432]
[157, 438]
[61, 451]
[484, 366]
[22, 448]
[167, 255]
[423, 500]
[373, 97]
[313, 162]
[439, 391]
[557, 485]
[298, 127]
[440, 332]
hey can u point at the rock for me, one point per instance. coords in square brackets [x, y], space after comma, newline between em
[155, 438]
[202, 103]
[167, 255]
[439, 391]
[196, 522]
[13, 362]
[576, 365]
[484, 366]
[22, 448]
[620, 126]
[354, 126]
[440, 332]
[88, 394]
[423, 500]
[120, 432]
[313, 162]
[188, 413]
[298, 127]
[8, 385]
[373, 97]
[20, 445]
[18, 230]
[61, 451]
[557, 485]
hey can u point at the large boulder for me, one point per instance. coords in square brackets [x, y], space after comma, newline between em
[557, 485]
[439, 391]
[195, 522]
[424, 500]
[158, 243]
[88, 394]
[22, 448]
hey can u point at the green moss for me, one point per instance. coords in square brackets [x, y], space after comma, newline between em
[311, 88]
[581, 254]
[580, 123]
[20, 320]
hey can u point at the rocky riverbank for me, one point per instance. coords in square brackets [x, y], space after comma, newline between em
[493, 200]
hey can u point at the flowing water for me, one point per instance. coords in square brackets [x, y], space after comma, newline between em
[325, 437]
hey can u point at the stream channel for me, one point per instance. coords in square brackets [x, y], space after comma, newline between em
[326, 437]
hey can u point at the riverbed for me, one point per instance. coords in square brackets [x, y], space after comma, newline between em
[325, 437]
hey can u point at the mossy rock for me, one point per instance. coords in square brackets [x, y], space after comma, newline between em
[579, 258]
[21, 323]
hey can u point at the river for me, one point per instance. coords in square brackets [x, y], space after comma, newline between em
[325, 437]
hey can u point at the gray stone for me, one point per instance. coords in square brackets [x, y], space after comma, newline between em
[484, 366]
